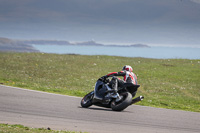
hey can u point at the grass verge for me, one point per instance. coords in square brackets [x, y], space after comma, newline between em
[165, 83]
[5, 128]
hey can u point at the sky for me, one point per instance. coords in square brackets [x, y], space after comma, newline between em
[151, 22]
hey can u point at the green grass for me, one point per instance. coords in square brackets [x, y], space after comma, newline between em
[5, 128]
[165, 83]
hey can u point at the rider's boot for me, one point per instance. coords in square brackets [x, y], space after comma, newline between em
[114, 94]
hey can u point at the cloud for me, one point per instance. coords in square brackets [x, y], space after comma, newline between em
[93, 11]
[196, 1]
[101, 19]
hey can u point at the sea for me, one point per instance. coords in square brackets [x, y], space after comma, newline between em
[155, 52]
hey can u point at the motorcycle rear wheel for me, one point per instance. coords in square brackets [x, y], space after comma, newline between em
[122, 104]
[87, 100]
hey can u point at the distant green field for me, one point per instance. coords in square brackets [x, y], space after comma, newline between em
[165, 83]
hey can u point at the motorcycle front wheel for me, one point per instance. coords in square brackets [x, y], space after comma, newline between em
[122, 104]
[87, 100]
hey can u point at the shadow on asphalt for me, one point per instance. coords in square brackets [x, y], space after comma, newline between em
[103, 109]
[97, 108]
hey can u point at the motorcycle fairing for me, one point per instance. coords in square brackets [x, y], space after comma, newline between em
[99, 91]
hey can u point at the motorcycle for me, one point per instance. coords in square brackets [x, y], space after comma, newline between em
[104, 96]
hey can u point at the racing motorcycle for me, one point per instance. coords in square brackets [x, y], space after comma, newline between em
[104, 96]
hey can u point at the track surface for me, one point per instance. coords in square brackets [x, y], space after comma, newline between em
[39, 109]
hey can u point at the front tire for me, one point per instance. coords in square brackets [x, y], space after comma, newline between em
[87, 100]
[124, 103]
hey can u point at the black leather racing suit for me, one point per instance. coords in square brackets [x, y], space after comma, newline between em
[129, 77]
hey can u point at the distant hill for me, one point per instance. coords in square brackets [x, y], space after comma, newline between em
[46, 42]
[132, 45]
[87, 43]
[26, 45]
[15, 46]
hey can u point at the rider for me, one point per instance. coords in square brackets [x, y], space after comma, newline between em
[127, 73]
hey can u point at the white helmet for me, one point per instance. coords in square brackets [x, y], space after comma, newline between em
[128, 68]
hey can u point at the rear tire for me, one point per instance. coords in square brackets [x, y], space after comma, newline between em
[124, 103]
[87, 100]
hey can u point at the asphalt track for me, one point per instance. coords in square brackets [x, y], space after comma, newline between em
[43, 110]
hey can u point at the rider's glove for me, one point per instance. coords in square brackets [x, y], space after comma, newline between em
[103, 78]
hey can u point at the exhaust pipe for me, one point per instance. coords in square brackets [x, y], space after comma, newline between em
[138, 99]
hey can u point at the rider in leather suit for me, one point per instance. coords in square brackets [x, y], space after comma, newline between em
[127, 73]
